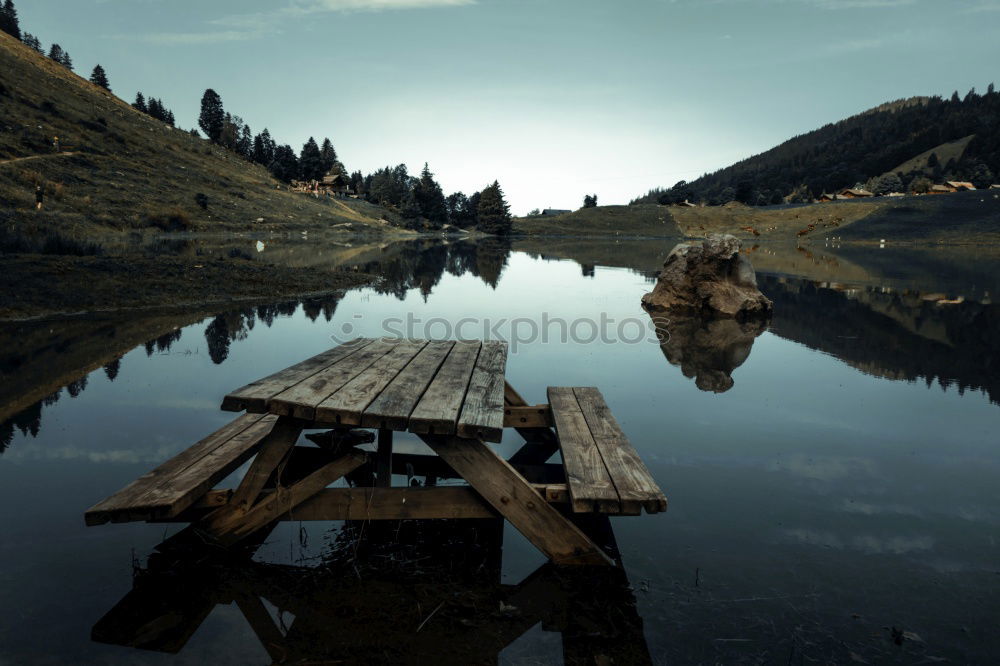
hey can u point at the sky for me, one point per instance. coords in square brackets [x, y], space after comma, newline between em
[554, 98]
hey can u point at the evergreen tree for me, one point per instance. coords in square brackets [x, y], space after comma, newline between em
[590, 201]
[154, 108]
[990, 89]
[32, 42]
[493, 213]
[213, 116]
[430, 198]
[284, 166]
[66, 61]
[100, 78]
[410, 209]
[140, 103]
[459, 213]
[245, 145]
[263, 148]
[311, 161]
[56, 53]
[955, 98]
[328, 155]
[8, 20]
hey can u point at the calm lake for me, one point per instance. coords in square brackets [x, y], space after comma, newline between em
[832, 478]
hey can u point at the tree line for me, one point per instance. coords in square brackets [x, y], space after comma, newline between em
[863, 150]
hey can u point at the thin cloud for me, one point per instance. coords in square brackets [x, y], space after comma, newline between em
[315, 6]
[195, 37]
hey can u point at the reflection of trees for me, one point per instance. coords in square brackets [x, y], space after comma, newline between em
[29, 421]
[112, 368]
[895, 335]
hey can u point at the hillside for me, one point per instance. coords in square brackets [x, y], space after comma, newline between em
[879, 141]
[649, 220]
[123, 170]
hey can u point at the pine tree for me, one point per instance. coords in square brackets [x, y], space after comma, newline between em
[410, 209]
[213, 116]
[140, 103]
[66, 61]
[32, 42]
[100, 78]
[263, 148]
[56, 53]
[311, 161]
[430, 198]
[329, 155]
[990, 89]
[245, 145]
[154, 109]
[168, 115]
[8, 20]
[493, 213]
[284, 166]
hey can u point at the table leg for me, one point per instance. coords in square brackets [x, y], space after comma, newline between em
[383, 459]
[513, 497]
[540, 443]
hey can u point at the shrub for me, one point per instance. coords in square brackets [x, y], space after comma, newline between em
[169, 220]
[202, 200]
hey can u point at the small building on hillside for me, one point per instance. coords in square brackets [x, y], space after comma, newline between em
[549, 212]
[336, 184]
[995, 186]
[823, 198]
[685, 204]
[959, 185]
[854, 193]
[940, 189]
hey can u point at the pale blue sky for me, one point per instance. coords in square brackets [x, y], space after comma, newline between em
[555, 98]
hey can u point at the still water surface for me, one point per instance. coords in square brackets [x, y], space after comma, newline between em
[832, 479]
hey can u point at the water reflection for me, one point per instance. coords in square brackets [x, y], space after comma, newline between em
[407, 592]
[708, 350]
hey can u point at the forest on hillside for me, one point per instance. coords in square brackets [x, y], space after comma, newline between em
[859, 150]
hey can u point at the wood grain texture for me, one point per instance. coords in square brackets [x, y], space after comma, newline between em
[392, 408]
[635, 485]
[254, 396]
[178, 482]
[439, 408]
[283, 500]
[590, 485]
[513, 497]
[301, 399]
[350, 401]
[482, 412]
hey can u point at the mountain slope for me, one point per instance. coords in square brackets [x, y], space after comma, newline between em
[122, 169]
[867, 145]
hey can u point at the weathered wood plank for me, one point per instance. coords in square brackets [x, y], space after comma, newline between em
[438, 410]
[346, 405]
[514, 498]
[392, 408]
[632, 480]
[178, 482]
[590, 485]
[283, 500]
[254, 396]
[482, 412]
[401, 503]
[273, 452]
[527, 416]
[301, 399]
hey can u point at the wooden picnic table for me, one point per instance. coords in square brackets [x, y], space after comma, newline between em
[451, 394]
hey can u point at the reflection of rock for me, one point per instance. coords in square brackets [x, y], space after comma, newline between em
[708, 278]
[708, 349]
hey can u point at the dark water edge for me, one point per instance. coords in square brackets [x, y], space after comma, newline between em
[834, 502]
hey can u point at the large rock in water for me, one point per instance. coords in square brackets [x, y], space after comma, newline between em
[708, 279]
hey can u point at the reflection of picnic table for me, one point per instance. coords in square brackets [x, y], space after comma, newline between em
[453, 395]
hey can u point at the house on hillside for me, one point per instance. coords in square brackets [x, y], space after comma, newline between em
[940, 189]
[823, 198]
[548, 212]
[336, 184]
[854, 193]
[959, 185]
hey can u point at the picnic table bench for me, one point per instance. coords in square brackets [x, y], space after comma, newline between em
[454, 396]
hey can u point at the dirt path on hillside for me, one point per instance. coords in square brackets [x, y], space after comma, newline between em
[36, 157]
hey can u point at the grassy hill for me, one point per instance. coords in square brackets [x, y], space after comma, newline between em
[646, 220]
[895, 137]
[123, 170]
